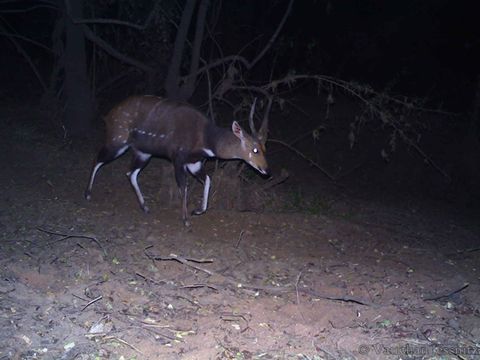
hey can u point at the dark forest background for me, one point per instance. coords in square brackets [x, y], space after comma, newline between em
[363, 91]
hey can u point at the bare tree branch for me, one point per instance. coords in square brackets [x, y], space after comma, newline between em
[274, 36]
[143, 26]
[171, 84]
[24, 38]
[226, 59]
[27, 57]
[31, 8]
[197, 45]
[299, 153]
[238, 58]
[90, 35]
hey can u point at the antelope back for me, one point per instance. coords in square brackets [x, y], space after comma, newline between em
[155, 125]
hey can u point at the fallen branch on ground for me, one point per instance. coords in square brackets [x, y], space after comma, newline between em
[446, 295]
[240, 285]
[72, 236]
[184, 261]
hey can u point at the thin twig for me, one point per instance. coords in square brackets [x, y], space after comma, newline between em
[299, 153]
[92, 302]
[240, 237]
[196, 286]
[70, 236]
[148, 279]
[26, 39]
[447, 295]
[109, 49]
[184, 261]
[27, 57]
[272, 289]
[151, 15]
[277, 180]
[275, 34]
[296, 286]
[123, 342]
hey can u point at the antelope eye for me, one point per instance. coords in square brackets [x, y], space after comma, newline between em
[255, 150]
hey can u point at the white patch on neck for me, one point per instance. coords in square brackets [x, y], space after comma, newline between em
[208, 152]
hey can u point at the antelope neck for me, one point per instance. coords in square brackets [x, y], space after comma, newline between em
[223, 142]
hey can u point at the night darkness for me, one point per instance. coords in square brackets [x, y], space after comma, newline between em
[351, 211]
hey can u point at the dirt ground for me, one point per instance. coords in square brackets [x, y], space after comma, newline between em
[358, 279]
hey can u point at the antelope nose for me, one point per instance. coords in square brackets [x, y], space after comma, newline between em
[266, 172]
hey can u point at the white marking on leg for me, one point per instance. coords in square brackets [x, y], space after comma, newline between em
[194, 167]
[206, 190]
[133, 180]
[92, 178]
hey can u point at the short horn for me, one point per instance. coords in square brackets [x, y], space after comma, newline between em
[262, 133]
[250, 118]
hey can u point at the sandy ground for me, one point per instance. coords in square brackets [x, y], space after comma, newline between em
[102, 280]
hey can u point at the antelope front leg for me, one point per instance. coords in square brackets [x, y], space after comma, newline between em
[184, 208]
[181, 178]
[206, 190]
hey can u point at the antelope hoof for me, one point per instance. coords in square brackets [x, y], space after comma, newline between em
[87, 195]
[145, 208]
[187, 223]
[197, 212]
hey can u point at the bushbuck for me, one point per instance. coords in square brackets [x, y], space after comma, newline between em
[154, 126]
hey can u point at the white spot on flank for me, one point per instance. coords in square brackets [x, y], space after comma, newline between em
[195, 167]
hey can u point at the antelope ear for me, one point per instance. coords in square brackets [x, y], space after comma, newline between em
[237, 130]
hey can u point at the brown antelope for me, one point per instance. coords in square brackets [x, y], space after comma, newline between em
[153, 126]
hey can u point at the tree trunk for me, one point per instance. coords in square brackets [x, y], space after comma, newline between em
[79, 102]
[174, 88]
[189, 87]
[172, 82]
